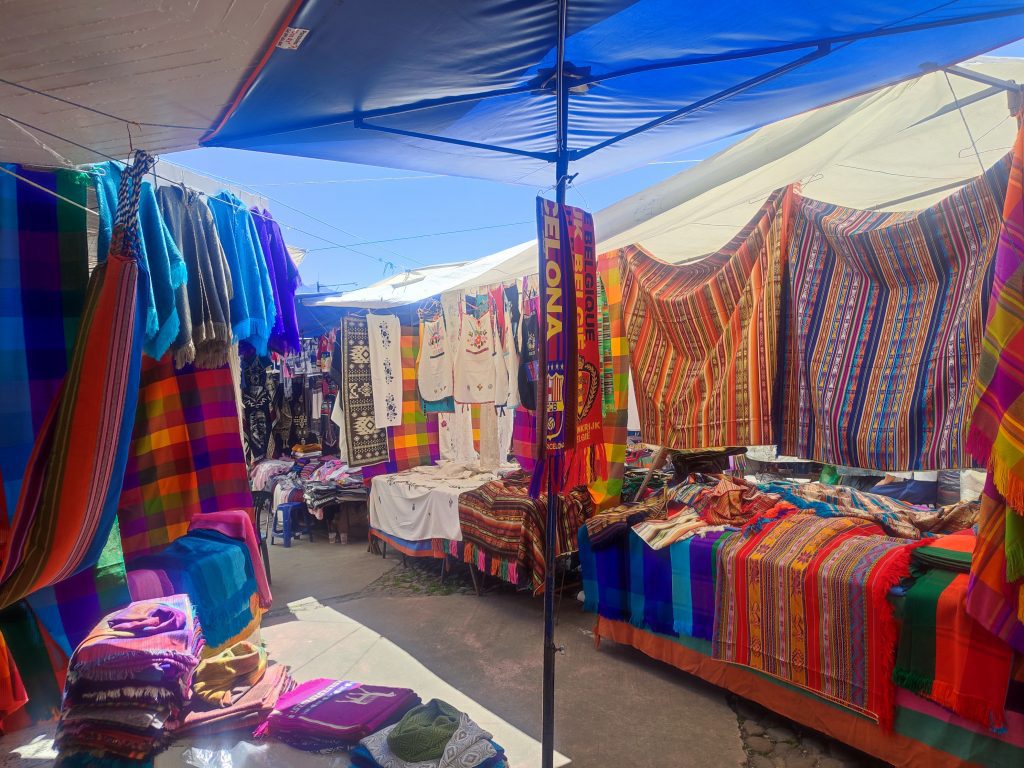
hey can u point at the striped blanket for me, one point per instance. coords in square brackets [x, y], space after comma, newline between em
[947, 656]
[186, 454]
[805, 600]
[694, 574]
[415, 442]
[500, 520]
[703, 337]
[884, 328]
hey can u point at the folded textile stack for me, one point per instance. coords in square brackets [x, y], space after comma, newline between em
[235, 689]
[307, 451]
[319, 495]
[262, 474]
[434, 734]
[338, 472]
[129, 681]
[329, 715]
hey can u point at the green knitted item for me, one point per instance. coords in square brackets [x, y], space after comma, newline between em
[424, 731]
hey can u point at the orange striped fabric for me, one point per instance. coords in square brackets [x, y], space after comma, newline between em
[703, 337]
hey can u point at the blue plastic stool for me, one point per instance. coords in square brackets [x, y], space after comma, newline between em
[283, 529]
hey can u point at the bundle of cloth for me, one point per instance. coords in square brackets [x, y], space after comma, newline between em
[262, 473]
[331, 715]
[944, 654]
[129, 682]
[433, 735]
[235, 689]
[319, 495]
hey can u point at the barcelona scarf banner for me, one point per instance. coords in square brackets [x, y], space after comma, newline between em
[569, 419]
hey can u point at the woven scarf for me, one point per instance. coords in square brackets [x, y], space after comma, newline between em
[947, 656]
[67, 504]
[424, 731]
[385, 333]
[242, 664]
[209, 278]
[884, 325]
[703, 336]
[366, 443]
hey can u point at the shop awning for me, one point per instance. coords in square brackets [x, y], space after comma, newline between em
[469, 88]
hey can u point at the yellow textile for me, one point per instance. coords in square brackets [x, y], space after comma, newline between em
[243, 664]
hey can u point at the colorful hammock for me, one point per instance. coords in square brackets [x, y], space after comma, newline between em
[703, 337]
[805, 600]
[884, 328]
[186, 454]
[75, 492]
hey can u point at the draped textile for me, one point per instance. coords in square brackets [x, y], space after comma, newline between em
[694, 575]
[385, 333]
[703, 336]
[257, 423]
[606, 488]
[996, 593]
[284, 280]
[805, 600]
[209, 277]
[884, 328]
[73, 477]
[186, 455]
[501, 520]
[947, 656]
[415, 442]
[366, 443]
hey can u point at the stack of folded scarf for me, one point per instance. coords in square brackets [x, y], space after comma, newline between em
[235, 689]
[329, 715]
[435, 734]
[129, 681]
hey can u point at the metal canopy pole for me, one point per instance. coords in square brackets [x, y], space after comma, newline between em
[561, 181]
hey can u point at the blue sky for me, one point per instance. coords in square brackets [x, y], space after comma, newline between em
[324, 204]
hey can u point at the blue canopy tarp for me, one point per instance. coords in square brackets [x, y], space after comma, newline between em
[372, 75]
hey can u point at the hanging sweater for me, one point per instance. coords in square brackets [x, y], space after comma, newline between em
[209, 278]
[252, 306]
[162, 269]
[284, 279]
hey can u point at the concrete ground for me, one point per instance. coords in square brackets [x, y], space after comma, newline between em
[614, 706]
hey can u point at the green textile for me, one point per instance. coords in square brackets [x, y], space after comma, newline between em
[915, 654]
[424, 731]
[947, 559]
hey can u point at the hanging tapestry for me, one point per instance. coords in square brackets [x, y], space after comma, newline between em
[186, 455]
[385, 368]
[884, 323]
[209, 278]
[606, 488]
[524, 438]
[366, 443]
[579, 227]
[806, 600]
[328, 429]
[434, 366]
[415, 442]
[75, 490]
[256, 402]
[996, 436]
[297, 396]
[703, 337]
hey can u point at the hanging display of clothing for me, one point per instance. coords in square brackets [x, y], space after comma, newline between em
[209, 278]
[284, 280]
[256, 401]
[434, 368]
[366, 443]
[529, 361]
[474, 363]
[385, 333]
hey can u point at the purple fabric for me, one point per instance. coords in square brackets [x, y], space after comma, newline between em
[337, 710]
[702, 583]
[284, 279]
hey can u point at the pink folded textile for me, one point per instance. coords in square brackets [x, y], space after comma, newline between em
[149, 583]
[237, 524]
[335, 712]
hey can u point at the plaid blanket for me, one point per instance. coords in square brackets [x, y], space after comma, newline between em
[186, 454]
[415, 441]
[947, 656]
[606, 574]
[884, 328]
[650, 586]
[694, 574]
[500, 520]
[703, 337]
[805, 600]
[606, 488]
